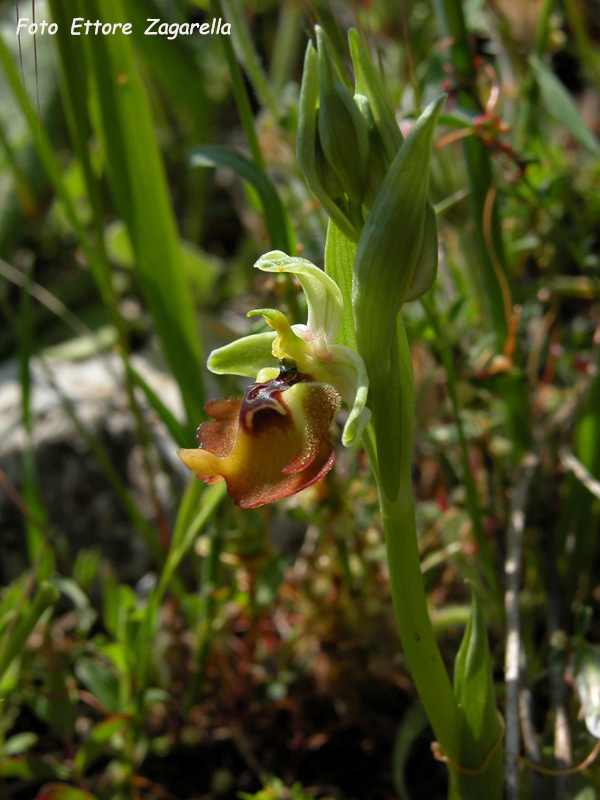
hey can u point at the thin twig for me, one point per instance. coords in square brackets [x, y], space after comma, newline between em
[558, 690]
[582, 474]
[512, 570]
[530, 737]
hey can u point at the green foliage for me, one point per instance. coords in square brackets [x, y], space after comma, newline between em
[264, 641]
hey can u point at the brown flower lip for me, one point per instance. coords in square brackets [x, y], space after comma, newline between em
[271, 443]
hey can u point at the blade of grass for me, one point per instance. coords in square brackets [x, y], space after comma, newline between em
[178, 431]
[247, 55]
[147, 531]
[479, 167]
[123, 122]
[276, 219]
[187, 528]
[36, 522]
[287, 44]
[473, 505]
[14, 639]
[240, 94]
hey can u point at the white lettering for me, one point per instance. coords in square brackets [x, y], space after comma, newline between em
[228, 31]
[127, 29]
[52, 25]
[149, 31]
[22, 23]
[75, 25]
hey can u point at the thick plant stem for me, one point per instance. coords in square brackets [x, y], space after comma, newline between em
[408, 593]
[476, 749]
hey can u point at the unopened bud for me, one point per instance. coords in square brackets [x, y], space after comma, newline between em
[378, 162]
[342, 129]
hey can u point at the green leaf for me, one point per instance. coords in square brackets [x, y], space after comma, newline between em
[98, 741]
[479, 723]
[100, 681]
[559, 104]
[31, 767]
[275, 217]
[62, 791]
[13, 640]
[412, 726]
[201, 269]
[124, 124]
[18, 744]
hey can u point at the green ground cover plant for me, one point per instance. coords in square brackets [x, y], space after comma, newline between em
[386, 582]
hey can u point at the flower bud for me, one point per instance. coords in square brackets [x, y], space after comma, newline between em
[378, 162]
[319, 175]
[342, 129]
[329, 179]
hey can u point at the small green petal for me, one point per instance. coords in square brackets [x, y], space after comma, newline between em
[285, 344]
[246, 356]
[354, 391]
[324, 299]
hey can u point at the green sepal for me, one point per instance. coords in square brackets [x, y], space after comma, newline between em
[479, 723]
[389, 251]
[390, 245]
[370, 83]
[378, 161]
[427, 265]
[342, 129]
[286, 344]
[353, 383]
[244, 357]
[323, 296]
[339, 265]
[306, 143]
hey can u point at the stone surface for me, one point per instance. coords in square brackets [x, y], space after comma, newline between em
[81, 504]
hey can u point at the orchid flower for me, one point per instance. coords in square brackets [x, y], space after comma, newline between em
[271, 443]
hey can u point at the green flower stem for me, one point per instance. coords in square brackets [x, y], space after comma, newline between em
[408, 592]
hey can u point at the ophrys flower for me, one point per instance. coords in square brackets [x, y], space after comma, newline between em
[272, 442]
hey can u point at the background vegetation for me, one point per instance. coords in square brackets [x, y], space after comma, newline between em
[157, 642]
